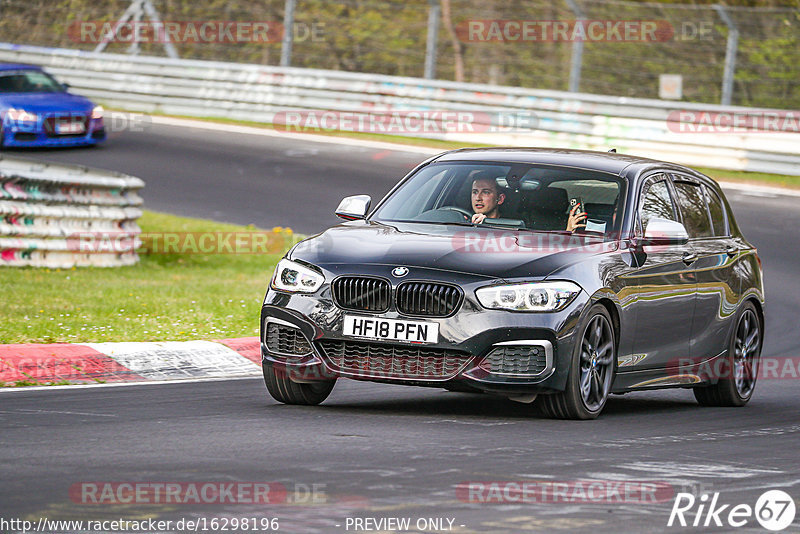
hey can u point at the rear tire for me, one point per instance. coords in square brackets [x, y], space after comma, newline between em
[284, 390]
[739, 369]
[591, 371]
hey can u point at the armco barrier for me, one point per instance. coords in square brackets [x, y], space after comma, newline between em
[61, 216]
[561, 119]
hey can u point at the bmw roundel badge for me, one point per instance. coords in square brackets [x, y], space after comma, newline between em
[399, 272]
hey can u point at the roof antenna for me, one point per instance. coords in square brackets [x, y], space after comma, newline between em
[614, 150]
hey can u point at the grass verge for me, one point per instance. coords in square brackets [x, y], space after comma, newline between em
[175, 296]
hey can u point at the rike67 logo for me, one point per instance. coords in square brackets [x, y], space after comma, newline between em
[774, 510]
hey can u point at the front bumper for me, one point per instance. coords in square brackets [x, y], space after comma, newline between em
[37, 135]
[471, 334]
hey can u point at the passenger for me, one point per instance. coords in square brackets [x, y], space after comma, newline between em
[576, 219]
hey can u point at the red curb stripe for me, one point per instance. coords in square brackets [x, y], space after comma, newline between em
[249, 347]
[59, 361]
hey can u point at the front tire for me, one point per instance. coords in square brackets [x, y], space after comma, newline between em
[591, 372]
[739, 369]
[284, 390]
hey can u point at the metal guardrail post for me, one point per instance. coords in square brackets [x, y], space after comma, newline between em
[288, 33]
[136, 12]
[577, 52]
[434, 19]
[153, 14]
[731, 48]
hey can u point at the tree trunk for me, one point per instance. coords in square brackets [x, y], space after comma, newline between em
[458, 50]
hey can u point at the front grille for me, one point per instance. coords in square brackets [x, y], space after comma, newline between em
[516, 360]
[427, 298]
[376, 360]
[362, 293]
[286, 340]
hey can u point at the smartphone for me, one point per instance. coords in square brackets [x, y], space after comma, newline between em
[577, 201]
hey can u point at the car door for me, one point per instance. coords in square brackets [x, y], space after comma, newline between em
[662, 288]
[704, 218]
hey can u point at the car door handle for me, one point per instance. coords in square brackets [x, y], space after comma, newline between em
[689, 257]
[732, 250]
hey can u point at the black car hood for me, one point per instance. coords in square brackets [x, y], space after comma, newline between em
[490, 252]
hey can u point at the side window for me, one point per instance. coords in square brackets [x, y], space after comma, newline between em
[657, 202]
[694, 210]
[717, 210]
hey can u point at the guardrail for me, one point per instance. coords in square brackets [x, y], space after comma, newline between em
[62, 216]
[651, 128]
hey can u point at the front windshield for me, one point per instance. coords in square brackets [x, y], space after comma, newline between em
[28, 81]
[510, 195]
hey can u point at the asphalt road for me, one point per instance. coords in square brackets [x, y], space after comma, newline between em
[386, 451]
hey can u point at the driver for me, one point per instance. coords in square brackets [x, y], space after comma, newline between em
[486, 199]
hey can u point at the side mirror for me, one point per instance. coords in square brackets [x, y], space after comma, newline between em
[65, 86]
[664, 232]
[355, 207]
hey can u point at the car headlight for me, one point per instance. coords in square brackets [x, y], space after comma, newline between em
[528, 297]
[20, 115]
[295, 278]
[97, 112]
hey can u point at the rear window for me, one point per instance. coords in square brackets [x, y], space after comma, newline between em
[693, 209]
[717, 210]
[657, 203]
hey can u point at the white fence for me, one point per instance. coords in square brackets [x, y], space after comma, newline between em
[62, 216]
[694, 134]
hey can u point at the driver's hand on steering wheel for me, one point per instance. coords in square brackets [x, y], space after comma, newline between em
[478, 218]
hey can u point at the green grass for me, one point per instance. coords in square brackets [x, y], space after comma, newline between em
[164, 297]
[778, 180]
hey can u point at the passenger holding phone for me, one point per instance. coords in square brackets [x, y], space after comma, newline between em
[577, 217]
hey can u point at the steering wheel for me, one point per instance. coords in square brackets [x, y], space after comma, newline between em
[462, 211]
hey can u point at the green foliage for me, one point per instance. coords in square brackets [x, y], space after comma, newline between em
[389, 36]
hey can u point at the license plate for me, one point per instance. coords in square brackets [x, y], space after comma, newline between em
[391, 329]
[70, 128]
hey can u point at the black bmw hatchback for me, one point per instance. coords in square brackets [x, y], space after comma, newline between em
[554, 276]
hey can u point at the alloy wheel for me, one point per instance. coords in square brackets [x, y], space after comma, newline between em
[746, 353]
[596, 362]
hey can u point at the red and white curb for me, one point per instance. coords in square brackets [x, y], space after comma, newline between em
[99, 363]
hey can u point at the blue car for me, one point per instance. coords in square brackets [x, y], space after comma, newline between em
[37, 111]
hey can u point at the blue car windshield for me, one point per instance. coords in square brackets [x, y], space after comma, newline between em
[521, 196]
[28, 81]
